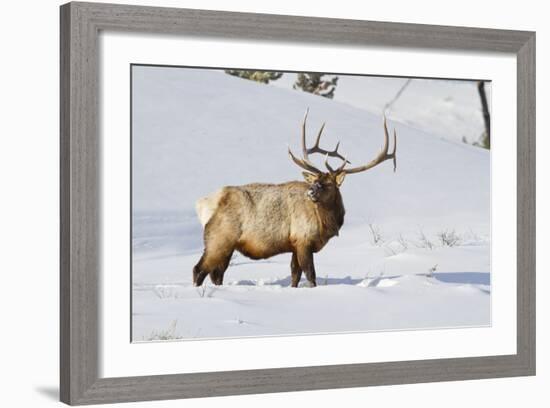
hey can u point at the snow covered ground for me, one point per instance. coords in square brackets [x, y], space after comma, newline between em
[414, 251]
[449, 109]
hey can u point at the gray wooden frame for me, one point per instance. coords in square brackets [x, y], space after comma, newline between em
[80, 189]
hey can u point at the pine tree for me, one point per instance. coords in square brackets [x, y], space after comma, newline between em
[315, 84]
[259, 76]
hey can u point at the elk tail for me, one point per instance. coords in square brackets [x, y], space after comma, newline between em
[206, 206]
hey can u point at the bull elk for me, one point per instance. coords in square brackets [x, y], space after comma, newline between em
[263, 220]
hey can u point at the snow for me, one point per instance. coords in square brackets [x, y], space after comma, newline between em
[450, 109]
[197, 130]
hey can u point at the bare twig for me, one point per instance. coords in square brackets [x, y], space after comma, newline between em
[431, 271]
[167, 334]
[377, 238]
[424, 241]
[388, 105]
[449, 238]
[403, 242]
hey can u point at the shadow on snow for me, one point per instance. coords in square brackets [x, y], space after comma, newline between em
[475, 278]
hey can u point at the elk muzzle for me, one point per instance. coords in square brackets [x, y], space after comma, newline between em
[314, 191]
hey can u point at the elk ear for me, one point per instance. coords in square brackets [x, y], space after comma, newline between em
[309, 177]
[340, 178]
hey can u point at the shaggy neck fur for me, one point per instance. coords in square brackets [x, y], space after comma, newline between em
[330, 217]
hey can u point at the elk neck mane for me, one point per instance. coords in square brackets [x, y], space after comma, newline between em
[330, 217]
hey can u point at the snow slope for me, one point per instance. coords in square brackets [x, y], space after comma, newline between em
[196, 130]
[449, 109]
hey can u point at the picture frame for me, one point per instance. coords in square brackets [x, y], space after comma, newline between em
[80, 157]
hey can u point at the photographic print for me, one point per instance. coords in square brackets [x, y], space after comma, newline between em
[270, 203]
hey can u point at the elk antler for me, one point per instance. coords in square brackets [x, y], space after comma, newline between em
[305, 163]
[382, 155]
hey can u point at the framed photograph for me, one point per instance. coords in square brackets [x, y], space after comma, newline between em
[262, 203]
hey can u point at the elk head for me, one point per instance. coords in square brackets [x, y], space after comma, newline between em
[324, 186]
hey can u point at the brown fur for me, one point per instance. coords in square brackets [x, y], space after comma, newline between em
[263, 220]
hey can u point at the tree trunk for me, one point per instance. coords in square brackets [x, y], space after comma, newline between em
[486, 114]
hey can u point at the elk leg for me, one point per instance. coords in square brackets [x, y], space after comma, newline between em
[216, 276]
[213, 262]
[210, 266]
[305, 259]
[199, 274]
[220, 238]
[295, 270]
